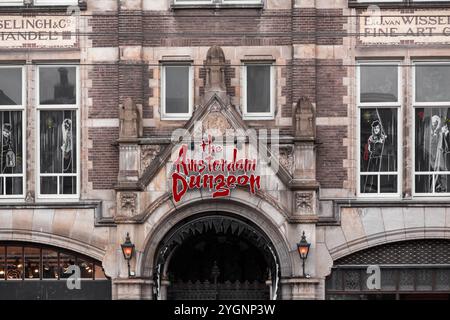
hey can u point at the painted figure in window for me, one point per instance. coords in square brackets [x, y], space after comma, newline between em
[439, 151]
[376, 146]
[8, 155]
[67, 141]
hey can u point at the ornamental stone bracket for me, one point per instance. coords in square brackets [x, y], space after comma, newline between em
[305, 206]
[128, 204]
[148, 154]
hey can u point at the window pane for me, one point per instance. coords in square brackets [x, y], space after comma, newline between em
[424, 183]
[57, 85]
[388, 184]
[378, 140]
[49, 264]
[32, 263]
[432, 83]
[11, 142]
[432, 139]
[49, 185]
[65, 261]
[86, 268]
[258, 88]
[369, 184]
[379, 83]
[99, 273]
[14, 262]
[58, 141]
[14, 186]
[68, 185]
[2, 263]
[10, 86]
[177, 89]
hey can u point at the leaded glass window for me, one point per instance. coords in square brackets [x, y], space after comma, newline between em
[58, 160]
[11, 124]
[431, 128]
[58, 131]
[378, 98]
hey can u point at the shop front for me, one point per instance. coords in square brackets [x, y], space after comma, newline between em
[406, 270]
[29, 271]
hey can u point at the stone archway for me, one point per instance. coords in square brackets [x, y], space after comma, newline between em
[217, 256]
[269, 225]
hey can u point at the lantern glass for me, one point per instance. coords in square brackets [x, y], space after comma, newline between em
[127, 248]
[127, 252]
[303, 251]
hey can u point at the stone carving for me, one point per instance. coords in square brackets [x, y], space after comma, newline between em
[29, 197]
[286, 158]
[304, 120]
[148, 154]
[215, 74]
[304, 202]
[128, 202]
[130, 115]
[217, 121]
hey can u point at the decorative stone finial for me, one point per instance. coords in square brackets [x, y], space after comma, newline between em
[304, 119]
[130, 115]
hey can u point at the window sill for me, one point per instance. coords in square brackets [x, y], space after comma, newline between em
[258, 118]
[216, 6]
[176, 118]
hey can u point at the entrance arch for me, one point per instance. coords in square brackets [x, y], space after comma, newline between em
[217, 256]
[267, 219]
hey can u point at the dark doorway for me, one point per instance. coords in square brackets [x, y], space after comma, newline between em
[218, 258]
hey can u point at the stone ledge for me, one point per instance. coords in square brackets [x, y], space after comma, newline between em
[300, 281]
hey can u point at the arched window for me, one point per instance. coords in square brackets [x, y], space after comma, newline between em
[413, 269]
[29, 261]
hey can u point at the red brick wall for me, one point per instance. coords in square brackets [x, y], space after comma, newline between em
[104, 91]
[330, 156]
[220, 27]
[105, 29]
[104, 157]
[330, 89]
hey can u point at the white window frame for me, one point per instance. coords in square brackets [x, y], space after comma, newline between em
[55, 2]
[380, 105]
[258, 115]
[176, 116]
[63, 107]
[192, 2]
[11, 3]
[220, 2]
[425, 105]
[242, 1]
[21, 108]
